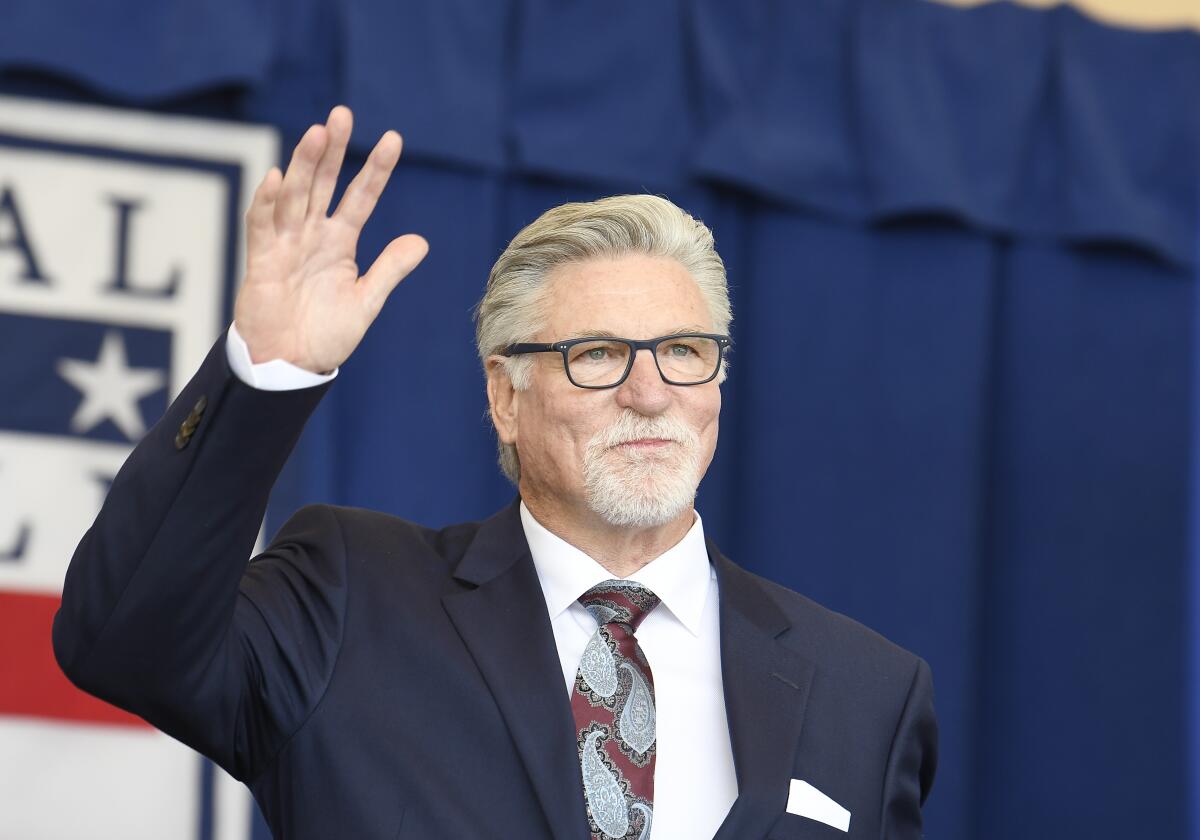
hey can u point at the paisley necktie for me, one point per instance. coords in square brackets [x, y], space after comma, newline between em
[613, 702]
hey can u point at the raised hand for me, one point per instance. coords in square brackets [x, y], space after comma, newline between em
[303, 300]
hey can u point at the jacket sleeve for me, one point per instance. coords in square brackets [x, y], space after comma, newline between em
[162, 616]
[911, 762]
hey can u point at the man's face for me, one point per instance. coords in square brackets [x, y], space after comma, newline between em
[634, 454]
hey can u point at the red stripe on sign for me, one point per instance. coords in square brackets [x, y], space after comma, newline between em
[32, 684]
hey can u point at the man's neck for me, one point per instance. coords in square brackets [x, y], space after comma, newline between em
[621, 551]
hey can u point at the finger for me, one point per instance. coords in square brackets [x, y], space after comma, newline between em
[338, 127]
[396, 262]
[364, 191]
[292, 204]
[260, 217]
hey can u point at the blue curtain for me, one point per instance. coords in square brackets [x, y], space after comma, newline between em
[962, 247]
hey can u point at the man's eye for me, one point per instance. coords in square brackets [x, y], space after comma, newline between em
[595, 354]
[681, 350]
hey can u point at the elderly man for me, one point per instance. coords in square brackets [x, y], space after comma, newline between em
[583, 664]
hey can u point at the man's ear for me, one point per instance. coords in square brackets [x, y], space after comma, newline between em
[502, 399]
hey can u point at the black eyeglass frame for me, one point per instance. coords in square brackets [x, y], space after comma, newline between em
[724, 342]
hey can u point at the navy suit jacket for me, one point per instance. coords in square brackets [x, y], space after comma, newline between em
[371, 678]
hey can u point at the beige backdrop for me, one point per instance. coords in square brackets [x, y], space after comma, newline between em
[1141, 14]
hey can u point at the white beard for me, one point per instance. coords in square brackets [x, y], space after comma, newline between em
[634, 488]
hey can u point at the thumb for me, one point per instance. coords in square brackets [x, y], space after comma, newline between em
[397, 260]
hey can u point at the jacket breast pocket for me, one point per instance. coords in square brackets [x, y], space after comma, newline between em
[794, 827]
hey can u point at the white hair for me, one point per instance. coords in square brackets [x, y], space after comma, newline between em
[511, 310]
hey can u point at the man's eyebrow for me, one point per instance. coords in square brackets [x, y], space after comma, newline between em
[593, 334]
[610, 334]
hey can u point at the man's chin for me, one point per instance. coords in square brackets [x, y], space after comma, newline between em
[642, 502]
[642, 486]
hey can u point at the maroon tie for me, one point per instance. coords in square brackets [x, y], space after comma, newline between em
[613, 702]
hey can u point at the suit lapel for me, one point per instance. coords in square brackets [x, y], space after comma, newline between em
[766, 691]
[501, 616]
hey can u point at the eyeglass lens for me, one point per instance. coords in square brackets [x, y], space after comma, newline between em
[683, 360]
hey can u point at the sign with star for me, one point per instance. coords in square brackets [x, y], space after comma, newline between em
[120, 245]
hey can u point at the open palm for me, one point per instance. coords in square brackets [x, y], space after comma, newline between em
[303, 300]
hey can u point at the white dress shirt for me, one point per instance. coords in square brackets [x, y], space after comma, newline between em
[694, 779]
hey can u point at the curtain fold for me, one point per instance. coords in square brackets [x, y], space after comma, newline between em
[1018, 122]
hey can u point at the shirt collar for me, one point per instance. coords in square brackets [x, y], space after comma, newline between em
[679, 576]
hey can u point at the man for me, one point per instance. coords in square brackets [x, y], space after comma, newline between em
[582, 663]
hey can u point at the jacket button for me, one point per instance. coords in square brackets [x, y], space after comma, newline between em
[188, 427]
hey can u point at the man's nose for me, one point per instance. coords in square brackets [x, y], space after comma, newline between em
[644, 389]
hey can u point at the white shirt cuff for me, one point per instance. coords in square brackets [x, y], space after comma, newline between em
[275, 375]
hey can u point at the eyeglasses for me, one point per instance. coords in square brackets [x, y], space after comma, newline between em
[598, 362]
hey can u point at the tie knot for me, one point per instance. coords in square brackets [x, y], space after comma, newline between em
[619, 602]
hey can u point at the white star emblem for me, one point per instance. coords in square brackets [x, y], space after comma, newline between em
[111, 389]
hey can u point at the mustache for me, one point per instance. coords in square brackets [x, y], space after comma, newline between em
[631, 426]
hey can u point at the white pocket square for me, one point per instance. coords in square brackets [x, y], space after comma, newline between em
[804, 800]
